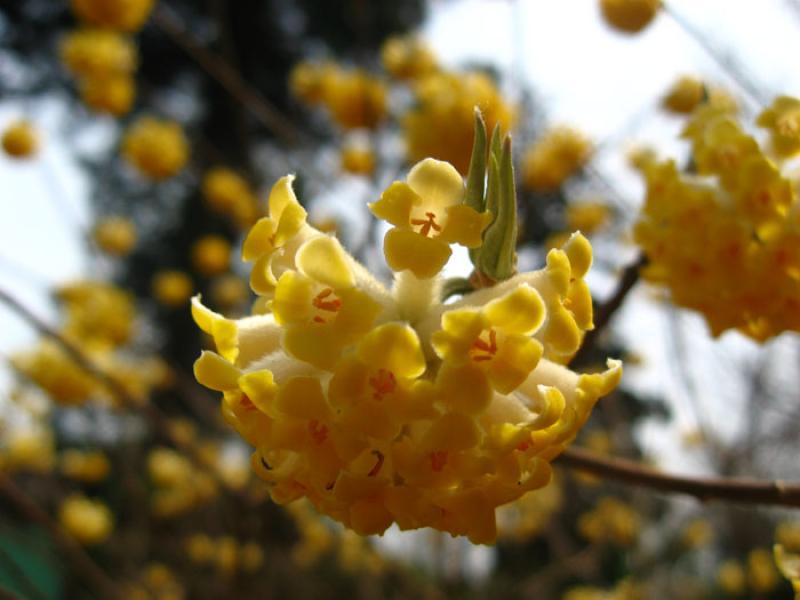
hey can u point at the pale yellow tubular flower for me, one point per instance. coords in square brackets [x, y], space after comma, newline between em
[386, 406]
[20, 140]
[121, 15]
[629, 16]
[115, 235]
[89, 521]
[554, 157]
[782, 120]
[172, 288]
[98, 53]
[157, 148]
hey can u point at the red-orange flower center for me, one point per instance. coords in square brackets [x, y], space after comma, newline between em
[384, 382]
[485, 349]
[325, 302]
[427, 224]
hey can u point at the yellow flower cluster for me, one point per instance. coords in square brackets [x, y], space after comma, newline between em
[89, 521]
[782, 119]
[227, 193]
[211, 255]
[20, 140]
[353, 98]
[527, 517]
[725, 242]
[629, 16]
[759, 575]
[85, 466]
[611, 521]
[587, 217]
[684, 96]
[556, 155]
[789, 566]
[179, 487]
[358, 159]
[29, 450]
[104, 62]
[385, 405]
[172, 288]
[155, 582]
[97, 314]
[408, 58]
[115, 235]
[225, 553]
[440, 124]
[158, 149]
[122, 15]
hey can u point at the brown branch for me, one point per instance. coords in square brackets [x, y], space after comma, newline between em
[604, 312]
[745, 491]
[224, 74]
[81, 562]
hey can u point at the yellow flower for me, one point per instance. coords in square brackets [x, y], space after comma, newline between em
[211, 255]
[200, 548]
[115, 235]
[56, 373]
[357, 159]
[761, 572]
[629, 16]
[29, 450]
[20, 140]
[355, 99]
[555, 156]
[227, 193]
[90, 522]
[123, 15]
[428, 215]
[587, 217]
[97, 313]
[228, 291]
[407, 57]
[731, 577]
[697, 533]
[156, 148]
[787, 534]
[610, 521]
[172, 288]
[684, 95]
[113, 95]
[309, 81]
[440, 124]
[386, 406]
[98, 53]
[789, 566]
[782, 119]
[88, 467]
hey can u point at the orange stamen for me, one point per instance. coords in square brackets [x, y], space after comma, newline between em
[383, 383]
[376, 469]
[246, 403]
[438, 460]
[427, 224]
[481, 346]
[318, 431]
[329, 305]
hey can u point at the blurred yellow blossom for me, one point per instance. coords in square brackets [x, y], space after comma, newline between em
[384, 405]
[115, 235]
[587, 217]
[629, 16]
[172, 288]
[20, 139]
[156, 148]
[440, 124]
[554, 157]
[85, 466]
[122, 15]
[228, 193]
[782, 119]
[787, 534]
[789, 566]
[228, 291]
[211, 255]
[89, 521]
[98, 53]
[684, 95]
[358, 159]
[408, 57]
[355, 99]
[97, 313]
[309, 81]
[731, 577]
[610, 521]
[698, 533]
[625, 590]
[762, 576]
[113, 95]
[31, 449]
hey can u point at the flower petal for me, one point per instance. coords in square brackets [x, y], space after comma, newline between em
[465, 226]
[438, 183]
[519, 311]
[323, 259]
[423, 256]
[394, 347]
[395, 204]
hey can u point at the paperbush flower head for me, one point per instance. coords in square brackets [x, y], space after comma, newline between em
[156, 148]
[408, 57]
[86, 467]
[782, 119]
[89, 521]
[228, 291]
[113, 95]
[115, 235]
[98, 53]
[172, 288]
[20, 140]
[385, 405]
[789, 566]
[559, 153]
[98, 314]
[440, 124]
[587, 217]
[358, 159]
[211, 255]
[629, 16]
[724, 241]
[684, 95]
[227, 193]
[122, 15]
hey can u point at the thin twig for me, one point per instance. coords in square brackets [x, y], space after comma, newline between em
[81, 562]
[219, 69]
[604, 312]
[745, 491]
